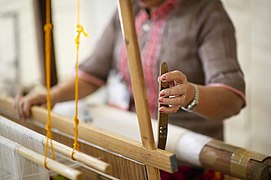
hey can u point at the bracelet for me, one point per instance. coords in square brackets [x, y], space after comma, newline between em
[194, 104]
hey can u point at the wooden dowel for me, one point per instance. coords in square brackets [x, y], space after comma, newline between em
[55, 166]
[137, 78]
[158, 158]
[81, 157]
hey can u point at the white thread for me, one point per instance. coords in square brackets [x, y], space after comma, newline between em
[189, 147]
[13, 165]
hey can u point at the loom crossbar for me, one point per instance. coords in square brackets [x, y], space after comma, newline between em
[157, 158]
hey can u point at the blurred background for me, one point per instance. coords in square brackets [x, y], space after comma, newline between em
[21, 55]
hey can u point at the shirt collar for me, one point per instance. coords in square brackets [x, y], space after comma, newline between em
[162, 10]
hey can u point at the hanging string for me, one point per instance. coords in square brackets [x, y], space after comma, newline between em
[48, 36]
[79, 30]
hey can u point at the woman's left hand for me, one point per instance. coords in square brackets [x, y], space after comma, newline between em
[179, 94]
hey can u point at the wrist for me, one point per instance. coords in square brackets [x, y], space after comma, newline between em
[193, 100]
[189, 97]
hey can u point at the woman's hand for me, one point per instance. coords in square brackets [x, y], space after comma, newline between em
[23, 104]
[179, 94]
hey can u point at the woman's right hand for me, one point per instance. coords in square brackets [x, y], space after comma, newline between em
[23, 104]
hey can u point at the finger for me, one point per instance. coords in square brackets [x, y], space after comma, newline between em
[178, 90]
[177, 76]
[26, 108]
[177, 100]
[30, 100]
[168, 110]
[16, 104]
[20, 109]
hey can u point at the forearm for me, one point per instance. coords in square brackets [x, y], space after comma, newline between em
[218, 102]
[65, 91]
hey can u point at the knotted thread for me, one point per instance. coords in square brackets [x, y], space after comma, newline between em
[79, 31]
[48, 36]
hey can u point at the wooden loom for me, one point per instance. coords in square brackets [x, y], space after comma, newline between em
[126, 155]
[98, 143]
[128, 158]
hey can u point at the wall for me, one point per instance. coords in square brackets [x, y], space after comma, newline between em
[27, 51]
[94, 16]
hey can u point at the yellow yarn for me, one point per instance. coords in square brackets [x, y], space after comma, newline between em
[79, 31]
[48, 34]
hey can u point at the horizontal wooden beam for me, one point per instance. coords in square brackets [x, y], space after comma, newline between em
[134, 150]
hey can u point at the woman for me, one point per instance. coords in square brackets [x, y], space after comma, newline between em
[196, 39]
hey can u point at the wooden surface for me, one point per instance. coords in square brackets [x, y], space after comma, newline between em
[162, 117]
[137, 78]
[126, 147]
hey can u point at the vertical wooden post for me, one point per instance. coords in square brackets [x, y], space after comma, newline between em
[137, 79]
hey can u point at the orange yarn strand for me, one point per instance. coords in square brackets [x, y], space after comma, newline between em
[48, 34]
[79, 30]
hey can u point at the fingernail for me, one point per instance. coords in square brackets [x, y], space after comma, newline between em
[162, 93]
[163, 78]
[161, 110]
[158, 79]
[160, 100]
